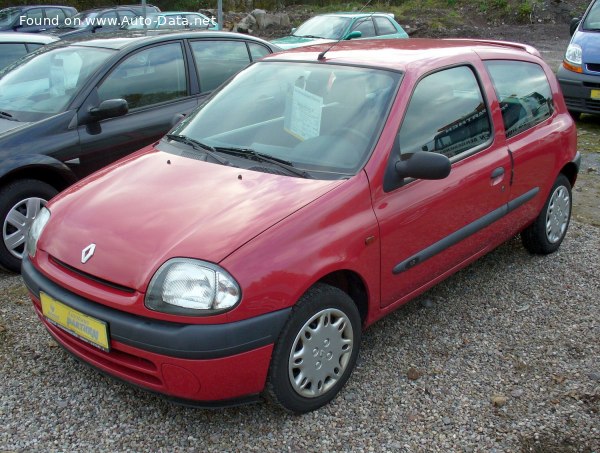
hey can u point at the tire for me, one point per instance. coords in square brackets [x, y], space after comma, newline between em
[20, 201]
[547, 232]
[326, 324]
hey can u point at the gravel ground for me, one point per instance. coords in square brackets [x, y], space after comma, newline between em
[503, 356]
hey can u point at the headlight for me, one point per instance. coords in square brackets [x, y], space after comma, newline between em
[190, 287]
[36, 231]
[573, 58]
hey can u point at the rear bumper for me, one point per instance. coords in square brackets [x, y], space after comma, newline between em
[194, 363]
[577, 89]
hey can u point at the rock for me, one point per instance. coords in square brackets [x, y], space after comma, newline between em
[594, 376]
[427, 303]
[265, 20]
[517, 393]
[447, 421]
[499, 401]
[245, 25]
[413, 374]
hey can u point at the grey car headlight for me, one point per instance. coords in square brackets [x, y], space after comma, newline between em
[185, 286]
[41, 219]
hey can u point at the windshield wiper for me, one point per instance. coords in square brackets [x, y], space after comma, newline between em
[8, 116]
[310, 36]
[197, 145]
[250, 153]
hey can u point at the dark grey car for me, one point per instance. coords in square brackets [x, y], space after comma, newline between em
[74, 107]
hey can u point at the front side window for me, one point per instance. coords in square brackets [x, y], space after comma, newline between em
[46, 83]
[523, 92]
[217, 61]
[446, 115]
[324, 119]
[35, 14]
[147, 77]
[365, 26]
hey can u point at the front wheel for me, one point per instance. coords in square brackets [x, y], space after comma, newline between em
[548, 230]
[20, 202]
[316, 351]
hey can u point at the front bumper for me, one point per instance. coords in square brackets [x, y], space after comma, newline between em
[577, 90]
[194, 363]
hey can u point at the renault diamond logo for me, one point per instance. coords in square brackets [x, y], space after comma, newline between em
[87, 253]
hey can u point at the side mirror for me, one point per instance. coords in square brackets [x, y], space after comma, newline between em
[111, 108]
[176, 119]
[294, 30]
[424, 165]
[574, 24]
[354, 34]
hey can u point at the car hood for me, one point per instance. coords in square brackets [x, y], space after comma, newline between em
[291, 42]
[9, 125]
[153, 206]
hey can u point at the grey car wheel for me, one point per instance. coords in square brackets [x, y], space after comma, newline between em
[17, 224]
[549, 228]
[320, 353]
[20, 203]
[316, 350]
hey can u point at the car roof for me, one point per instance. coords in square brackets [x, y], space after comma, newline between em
[108, 8]
[31, 38]
[355, 14]
[24, 7]
[397, 54]
[133, 38]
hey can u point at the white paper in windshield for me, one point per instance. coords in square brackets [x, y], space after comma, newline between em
[303, 115]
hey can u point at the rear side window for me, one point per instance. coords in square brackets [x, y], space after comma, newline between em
[446, 115]
[55, 14]
[384, 26]
[217, 61]
[524, 94]
[257, 51]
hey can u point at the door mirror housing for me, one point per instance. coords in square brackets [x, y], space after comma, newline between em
[573, 25]
[111, 108]
[354, 34]
[424, 165]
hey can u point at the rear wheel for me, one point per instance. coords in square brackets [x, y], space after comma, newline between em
[20, 202]
[550, 227]
[316, 351]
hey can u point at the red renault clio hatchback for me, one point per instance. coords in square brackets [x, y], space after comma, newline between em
[243, 254]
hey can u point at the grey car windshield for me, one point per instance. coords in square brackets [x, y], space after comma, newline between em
[323, 119]
[8, 15]
[44, 85]
[328, 27]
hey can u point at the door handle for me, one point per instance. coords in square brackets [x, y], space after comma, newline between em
[497, 173]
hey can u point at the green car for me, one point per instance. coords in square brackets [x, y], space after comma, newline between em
[338, 26]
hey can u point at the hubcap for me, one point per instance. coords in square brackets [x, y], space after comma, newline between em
[557, 216]
[17, 224]
[320, 353]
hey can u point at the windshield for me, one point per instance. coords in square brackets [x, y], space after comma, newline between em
[329, 27]
[592, 19]
[81, 20]
[7, 16]
[323, 119]
[45, 84]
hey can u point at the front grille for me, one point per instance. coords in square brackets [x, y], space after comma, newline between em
[592, 105]
[85, 275]
[593, 67]
[116, 361]
[574, 102]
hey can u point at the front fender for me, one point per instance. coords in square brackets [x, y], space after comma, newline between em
[328, 235]
[31, 163]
